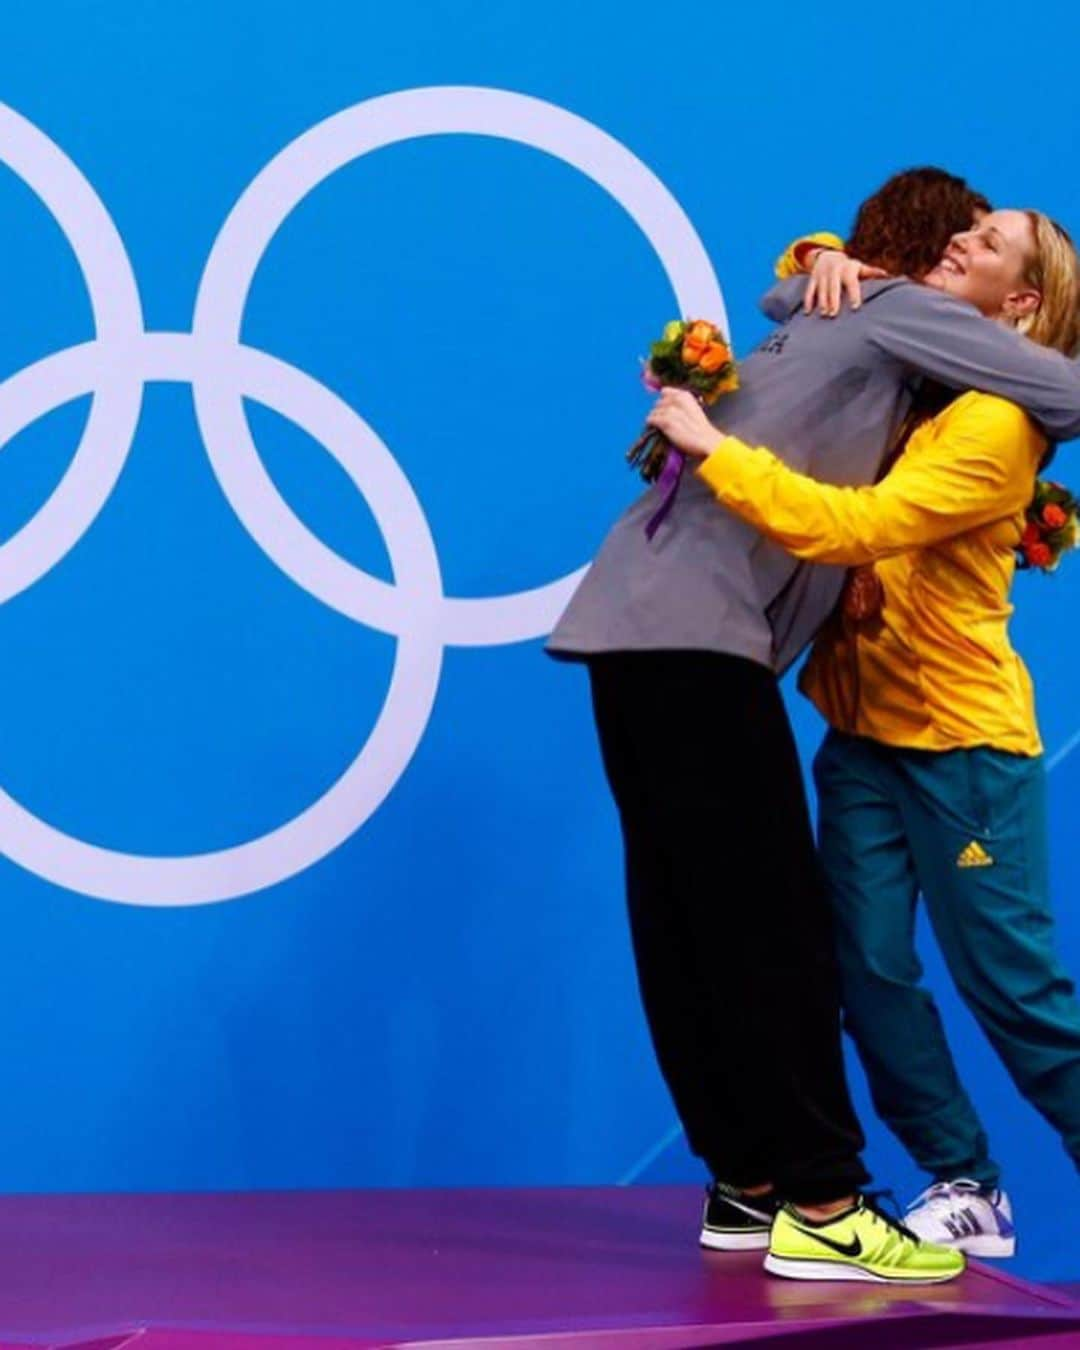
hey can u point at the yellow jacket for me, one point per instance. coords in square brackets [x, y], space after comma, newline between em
[793, 260]
[934, 669]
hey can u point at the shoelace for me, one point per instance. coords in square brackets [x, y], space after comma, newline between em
[944, 1195]
[872, 1200]
[934, 1199]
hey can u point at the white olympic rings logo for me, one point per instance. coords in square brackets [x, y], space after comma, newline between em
[222, 371]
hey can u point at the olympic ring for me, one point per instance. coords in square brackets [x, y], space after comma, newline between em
[114, 415]
[123, 357]
[373, 125]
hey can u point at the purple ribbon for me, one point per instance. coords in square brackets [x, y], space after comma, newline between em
[668, 485]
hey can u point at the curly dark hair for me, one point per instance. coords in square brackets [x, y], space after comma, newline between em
[905, 226]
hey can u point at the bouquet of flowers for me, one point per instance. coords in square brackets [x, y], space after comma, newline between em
[1052, 528]
[691, 354]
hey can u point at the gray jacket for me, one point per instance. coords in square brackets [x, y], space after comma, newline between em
[828, 397]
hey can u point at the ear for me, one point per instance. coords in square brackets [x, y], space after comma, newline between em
[1022, 305]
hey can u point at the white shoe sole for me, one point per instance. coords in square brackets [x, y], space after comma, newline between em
[795, 1269]
[987, 1246]
[734, 1242]
[991, 1245]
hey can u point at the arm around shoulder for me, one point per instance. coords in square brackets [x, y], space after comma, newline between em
[933, 334]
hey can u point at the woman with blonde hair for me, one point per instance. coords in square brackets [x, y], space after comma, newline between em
[931, 777]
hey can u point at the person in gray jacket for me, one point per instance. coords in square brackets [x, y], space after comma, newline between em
[684, 635]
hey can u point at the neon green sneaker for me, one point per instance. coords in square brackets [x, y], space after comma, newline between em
[861, 1243]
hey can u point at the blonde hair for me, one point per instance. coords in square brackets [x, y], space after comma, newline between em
[1053, 269]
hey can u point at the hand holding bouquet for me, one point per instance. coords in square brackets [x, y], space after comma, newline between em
[692, 354]
[1051, 529]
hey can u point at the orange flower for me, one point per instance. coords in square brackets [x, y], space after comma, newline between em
[1038, 555]
[701, 331]
[693, 350]
[1053, 516]
[716, 355]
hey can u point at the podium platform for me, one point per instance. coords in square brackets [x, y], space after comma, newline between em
[558, 1269]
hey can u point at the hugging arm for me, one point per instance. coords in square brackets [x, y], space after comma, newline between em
[932, 334]
[979, 470]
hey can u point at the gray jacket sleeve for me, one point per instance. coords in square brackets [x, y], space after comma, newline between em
[933, 334]
[782, 300]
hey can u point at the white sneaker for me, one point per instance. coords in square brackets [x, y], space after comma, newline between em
[963, 1215]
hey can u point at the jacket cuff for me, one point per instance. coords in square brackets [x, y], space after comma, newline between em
[792, 262]
[718, 468]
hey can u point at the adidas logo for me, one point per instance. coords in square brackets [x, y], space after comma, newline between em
[974, 855]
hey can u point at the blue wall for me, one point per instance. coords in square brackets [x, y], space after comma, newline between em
[446, 996]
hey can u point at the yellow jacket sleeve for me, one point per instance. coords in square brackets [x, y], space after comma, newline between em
[791, 262]
[978, 467]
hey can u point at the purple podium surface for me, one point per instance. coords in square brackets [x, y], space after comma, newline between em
[582, 1269]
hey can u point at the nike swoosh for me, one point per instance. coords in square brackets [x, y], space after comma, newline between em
[751, 1213]
[852, 1249]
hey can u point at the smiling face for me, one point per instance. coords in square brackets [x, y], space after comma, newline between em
[987, 266]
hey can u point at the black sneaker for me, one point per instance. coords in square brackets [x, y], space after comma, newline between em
[734, 1222]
